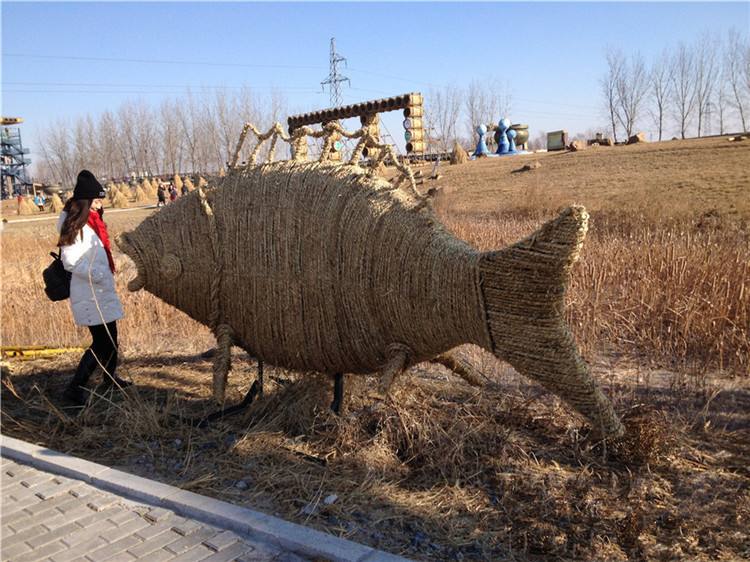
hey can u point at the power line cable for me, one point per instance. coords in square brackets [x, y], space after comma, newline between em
[159, 61]
[126, 85]
[248, 65]
[48, 91]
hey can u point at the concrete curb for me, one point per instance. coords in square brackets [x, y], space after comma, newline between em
[289, 536]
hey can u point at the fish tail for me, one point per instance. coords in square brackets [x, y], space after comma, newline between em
[523, 287]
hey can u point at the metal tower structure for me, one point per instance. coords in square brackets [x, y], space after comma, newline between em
[14, 160]
[334, 78]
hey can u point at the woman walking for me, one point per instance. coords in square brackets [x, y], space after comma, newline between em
[86, 253]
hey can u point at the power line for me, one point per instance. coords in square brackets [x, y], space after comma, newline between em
[48, 91]
[126, 85]
[334, 56]
[159, 61]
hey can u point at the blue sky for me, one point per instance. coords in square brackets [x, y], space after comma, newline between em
[551, 54]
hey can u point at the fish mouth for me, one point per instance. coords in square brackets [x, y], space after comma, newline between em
[126, 244]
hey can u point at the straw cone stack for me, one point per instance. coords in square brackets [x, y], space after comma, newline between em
[27, 207]
[189, 184]
[57, 204]
[140, 195]
[120, 201]
[177, 182]
[459, 154]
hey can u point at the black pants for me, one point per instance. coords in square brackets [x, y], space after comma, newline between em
[102, 352]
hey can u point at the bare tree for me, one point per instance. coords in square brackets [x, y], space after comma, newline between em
[660, 81]
[631, 87]
[59, 153]
[683, 86]
[615, 68]
[171, 137]
[705, 77]
[538, 141]
[485, 102]
[735, 58]
[443, 108]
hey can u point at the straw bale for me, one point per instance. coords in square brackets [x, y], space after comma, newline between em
[120, 201]
[637, 138]
[177, 180]
[314, 267]
[140, 195]
[577, 145]
[26, 207]
[459, 154]
[57, 204]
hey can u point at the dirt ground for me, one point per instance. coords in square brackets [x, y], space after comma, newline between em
[667, 177]
[441, 470]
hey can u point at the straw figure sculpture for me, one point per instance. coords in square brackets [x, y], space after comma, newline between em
[202, 181]
[318, 267]
[459, 154]
[177, 180]
[56, 204]
[189, 184]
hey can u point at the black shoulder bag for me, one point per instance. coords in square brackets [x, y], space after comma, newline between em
[56, 279]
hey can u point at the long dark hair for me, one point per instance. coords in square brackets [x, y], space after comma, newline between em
[78, 215]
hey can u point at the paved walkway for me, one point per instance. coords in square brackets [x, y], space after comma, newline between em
[55, 507]
[50, 517]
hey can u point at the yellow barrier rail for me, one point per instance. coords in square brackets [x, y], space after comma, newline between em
[29, 352]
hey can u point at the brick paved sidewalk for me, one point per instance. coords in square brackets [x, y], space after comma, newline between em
[49, 517]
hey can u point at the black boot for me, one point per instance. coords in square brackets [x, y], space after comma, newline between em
[75, 394]
[109, 381]
[75, 391]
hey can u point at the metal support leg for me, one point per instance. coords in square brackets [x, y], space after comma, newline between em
[260, 378]
[338, 392]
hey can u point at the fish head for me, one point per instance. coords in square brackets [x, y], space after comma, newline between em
[173, 255]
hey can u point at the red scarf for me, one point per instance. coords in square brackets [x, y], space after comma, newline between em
[97, 224]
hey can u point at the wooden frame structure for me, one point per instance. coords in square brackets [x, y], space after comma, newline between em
[411, 104]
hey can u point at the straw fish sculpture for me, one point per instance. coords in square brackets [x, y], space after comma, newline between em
[315, 267]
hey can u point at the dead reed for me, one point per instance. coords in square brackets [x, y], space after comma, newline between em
[670, 289]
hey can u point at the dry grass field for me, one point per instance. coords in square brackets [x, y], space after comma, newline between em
[660, 303]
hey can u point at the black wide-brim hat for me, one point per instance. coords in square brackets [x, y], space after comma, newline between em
[88, 187]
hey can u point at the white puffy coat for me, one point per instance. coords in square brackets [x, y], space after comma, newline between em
[93, 299]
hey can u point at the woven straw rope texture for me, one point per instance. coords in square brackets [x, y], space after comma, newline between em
[323, 268]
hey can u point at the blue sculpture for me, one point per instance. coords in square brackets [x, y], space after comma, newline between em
[506, 138]
[481, 149]
[512, 141]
